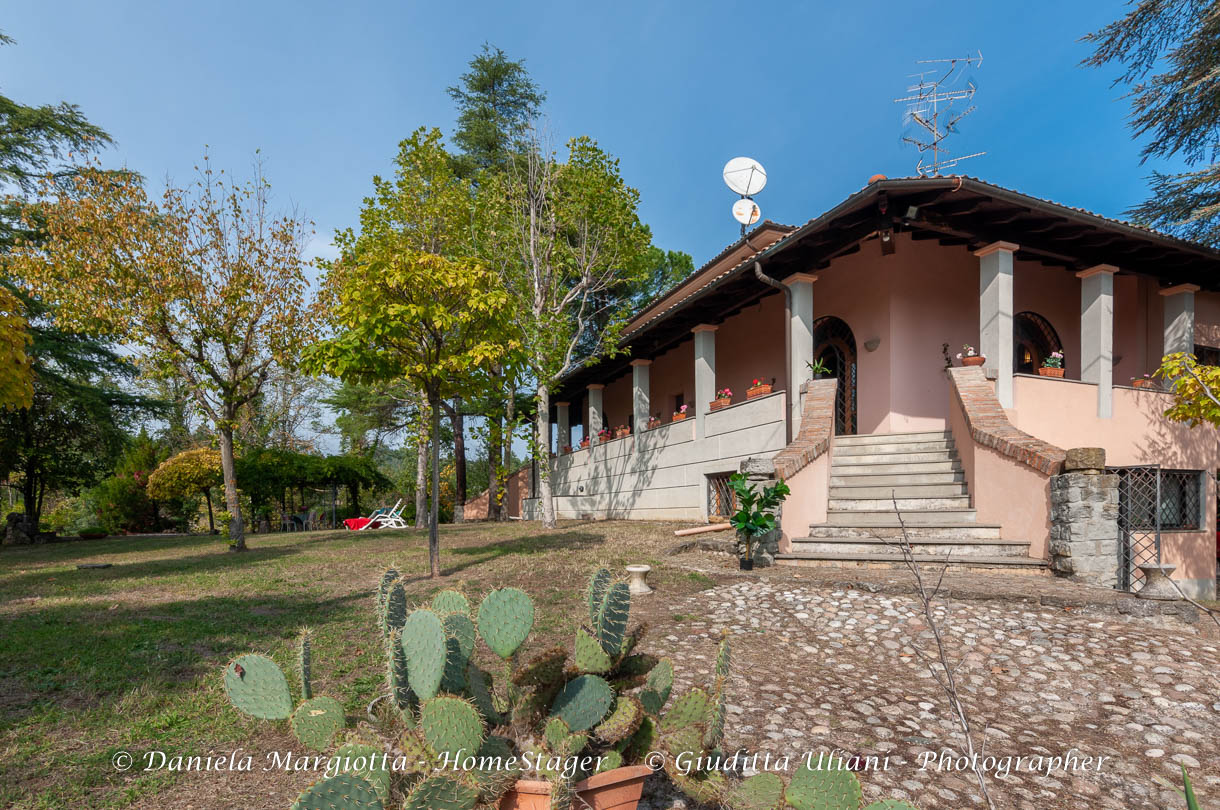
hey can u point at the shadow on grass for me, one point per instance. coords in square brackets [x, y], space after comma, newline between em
[522, 546]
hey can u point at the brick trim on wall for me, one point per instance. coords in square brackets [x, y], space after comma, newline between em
[817, 425]
[989, 425]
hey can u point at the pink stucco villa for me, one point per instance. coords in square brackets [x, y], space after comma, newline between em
[885, 289]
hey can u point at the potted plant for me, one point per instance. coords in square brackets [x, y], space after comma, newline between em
[654, 422]
[604, 435]
[755, 515]
[622, 432]
[535, 724]
[584, 442]
[680, 414]
[1052, 366]
[567, 448]
[1145, 381]
[970, 357]
[758, 388]
[818, 369]
[724, 398]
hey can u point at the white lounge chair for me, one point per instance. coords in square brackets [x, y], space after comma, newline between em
[382, 517]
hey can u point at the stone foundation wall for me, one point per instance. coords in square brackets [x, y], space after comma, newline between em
[1084, 527]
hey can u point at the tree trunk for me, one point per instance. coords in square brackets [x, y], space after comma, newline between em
[237, 533]
[434, 509]
[207, 496]
[421, 480]
[506, 466]
[542, 454]
[459, 460]
[495, 438]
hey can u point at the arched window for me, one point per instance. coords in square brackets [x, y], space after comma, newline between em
[1033, 340]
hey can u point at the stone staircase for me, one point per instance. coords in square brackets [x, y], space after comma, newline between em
[921, 472]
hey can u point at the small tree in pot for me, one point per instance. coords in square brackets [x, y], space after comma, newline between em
[755, 515]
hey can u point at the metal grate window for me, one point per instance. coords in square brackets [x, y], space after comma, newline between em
[1164, 500]
[721, 500]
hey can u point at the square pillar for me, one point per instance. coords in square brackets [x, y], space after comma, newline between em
[564, 439]
[639, 398]
[1179, 320]
[800, 342]
[995, 314]
[705, 374]
[1097, 333]
[595, 412]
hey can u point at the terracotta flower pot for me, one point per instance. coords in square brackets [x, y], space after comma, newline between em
[717, 404]
[975, 360]
[678, 417]
[584, 443]
[1143, 384]
[619, 789]
[622, 434]
[758, 391]
[1050, 372]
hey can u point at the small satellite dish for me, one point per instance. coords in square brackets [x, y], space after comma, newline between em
[746, 211]
[745, 176]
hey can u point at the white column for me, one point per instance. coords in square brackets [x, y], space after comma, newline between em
[995, 314]
[639, 398]
[800, 341]
[1097, 333]
[705, 374]
[1179, 321]
[564, 427]
[595, 412]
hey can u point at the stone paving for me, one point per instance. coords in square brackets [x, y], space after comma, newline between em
[822, 669]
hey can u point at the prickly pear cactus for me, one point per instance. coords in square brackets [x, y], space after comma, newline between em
[583, 702]
[763, 791]
[383, 589]
[316, 722]
[658, 686]
[506, 617]
[364, 760]
[824, 790]
[599, 583]
[417, 757]
[450, 601]
[451, 726]
[395, 609]
[622, 722]
[342, 792]
[688, 711]
[589, 655]
[441, 793]
[423, 641]
[707, 788]
[399, 679]
[256, 685]
[304, 663]
[459, 646]
[479, 687]
[610, 628]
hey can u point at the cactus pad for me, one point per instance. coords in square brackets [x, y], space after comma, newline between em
[450, 601]
[441, 793]
[400, 683]
[417, 757]
[609, 761]
[684, 742]
[395, 608]
[256, 685]
[361, 759]
[544, 670]
[723, 658]
[316, 722]
[589, 655]
[824, 790]
[596, 593]
[583, 702]
[707, 788]
[383, 588]
[477, 684]
[506, 617]
[689, 710]
[658, 686]
[451, 726]
[305, 663]
[622, 722]
[763, 791]
[717, 712]
[611, 624]
[459, 646]
[423, 641]
[343, 792]
[642, 742]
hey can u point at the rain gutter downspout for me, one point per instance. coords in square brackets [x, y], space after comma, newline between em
[793, 396]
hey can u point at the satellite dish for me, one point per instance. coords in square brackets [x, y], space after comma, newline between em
[744, 175]
[746, 211]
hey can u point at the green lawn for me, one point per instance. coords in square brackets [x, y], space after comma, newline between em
[129, 658]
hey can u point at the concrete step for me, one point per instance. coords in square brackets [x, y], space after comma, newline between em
[886, 469]
[899, 490]
[961, 531]
[1010, 565]
[934, 546]
[853, 477]
[884, 503]
[935, 517]
[840, 460]
[945, 446]
[890, 438]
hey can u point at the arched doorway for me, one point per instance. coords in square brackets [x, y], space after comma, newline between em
[835, 346]
[1033, 340]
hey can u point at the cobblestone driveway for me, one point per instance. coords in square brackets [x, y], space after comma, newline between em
[818, 669]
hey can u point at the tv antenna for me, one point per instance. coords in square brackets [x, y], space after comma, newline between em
[746, 177]
[931, 114]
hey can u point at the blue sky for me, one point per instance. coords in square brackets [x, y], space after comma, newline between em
[674, 89]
